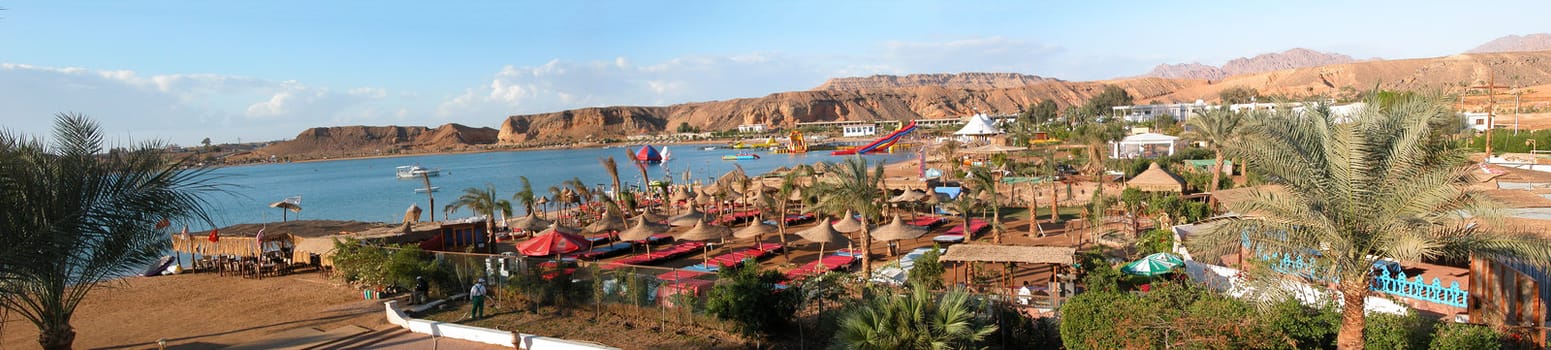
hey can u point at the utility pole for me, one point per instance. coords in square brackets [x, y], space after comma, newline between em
[1491, 109]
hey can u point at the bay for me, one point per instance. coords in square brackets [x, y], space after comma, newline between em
[367, 189]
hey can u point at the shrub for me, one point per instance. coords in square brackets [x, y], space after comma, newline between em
[919, 320]
[747, 296]
[1391, 332]
[927, 271]
[1465, 337]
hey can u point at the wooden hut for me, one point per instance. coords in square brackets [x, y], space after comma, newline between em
[1155, 179]
[457, 235]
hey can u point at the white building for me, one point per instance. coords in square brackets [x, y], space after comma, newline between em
[858, 130]
[1149, 145]
[1143, 113]
[1475, 120]
[748, 128]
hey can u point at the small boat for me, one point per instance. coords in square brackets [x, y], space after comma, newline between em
[741, 156]
[666, 154]
[708, 148]
[156, 268]
[423, 190]
[414, 171]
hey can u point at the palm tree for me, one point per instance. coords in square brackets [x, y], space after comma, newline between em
[789, 185]
[1218, 128]
[483, 202]
[613, 169]
[948, 151]
[525, 196]
[985, 183]
[560, 196]
[852, 186]
[1375, 186]
[76, 217]
[917, 320]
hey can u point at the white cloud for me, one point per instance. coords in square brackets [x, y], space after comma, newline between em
[182, 108]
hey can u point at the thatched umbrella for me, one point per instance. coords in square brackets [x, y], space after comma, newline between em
[642, 230]
[757, 231]
[412, 215]
[823, 233]
[608, 222]
[287, 206]
[652, 215]
[908, 196]
[529, 223]
[687, 219]
[679, 195]
[704, 232]
[543, 202]
[848, 223]
[897, 230]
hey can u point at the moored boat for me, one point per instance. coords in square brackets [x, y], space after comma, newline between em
[414, 171]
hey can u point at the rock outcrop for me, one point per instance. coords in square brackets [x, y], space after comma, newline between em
[371, 140]
[1516, 43]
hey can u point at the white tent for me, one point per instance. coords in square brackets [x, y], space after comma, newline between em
[979, 125]
[1146, 145]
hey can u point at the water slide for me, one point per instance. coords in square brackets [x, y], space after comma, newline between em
[883, 143]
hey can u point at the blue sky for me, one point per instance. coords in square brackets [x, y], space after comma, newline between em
[184, 70]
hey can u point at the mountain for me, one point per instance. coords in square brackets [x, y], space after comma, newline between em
[958, 80]
[1513, 43]
[786, 109]
[1421, 74]
[1294, 58]
[375, 140]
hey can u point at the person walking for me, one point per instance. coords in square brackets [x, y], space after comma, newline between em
[422, 290]
[477, 297]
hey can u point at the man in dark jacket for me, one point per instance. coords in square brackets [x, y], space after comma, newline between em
[422, 289]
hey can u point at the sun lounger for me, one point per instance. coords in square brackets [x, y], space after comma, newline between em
[674, 251]
[948, 238]
[975, 226]
[659, 238]
[601, 239]
[680, 275]
[692, 288]
[604, 251]
[794, 219]
[928, 221]
[828, 263]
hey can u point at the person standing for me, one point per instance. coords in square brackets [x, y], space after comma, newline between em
[422, 290]
[477, 297]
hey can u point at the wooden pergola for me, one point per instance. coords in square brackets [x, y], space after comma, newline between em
[1061, 259]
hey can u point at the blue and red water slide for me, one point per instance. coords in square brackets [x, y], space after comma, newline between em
[882, 143]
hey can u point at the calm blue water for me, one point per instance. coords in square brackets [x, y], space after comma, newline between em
[367, 190]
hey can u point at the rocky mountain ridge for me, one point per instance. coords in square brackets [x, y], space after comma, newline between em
[973, 80]
[1516, 43]
[376, 140]
[1293, 58]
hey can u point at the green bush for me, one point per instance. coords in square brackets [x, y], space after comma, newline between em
[1303, 327]
[747, 296]
[1391, 332]
[927, 271]
[1465, 337]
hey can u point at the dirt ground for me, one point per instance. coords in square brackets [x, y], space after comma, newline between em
[204, 311]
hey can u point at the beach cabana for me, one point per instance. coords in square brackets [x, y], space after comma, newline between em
[1148, 145]
[1060, 260]
[1155, 179]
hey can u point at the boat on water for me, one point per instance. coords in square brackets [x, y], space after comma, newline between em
[666, 154]
[708, 148]
[741, 156]
[414, 171]
[423, 189]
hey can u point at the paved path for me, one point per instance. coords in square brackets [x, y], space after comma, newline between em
[399, 338]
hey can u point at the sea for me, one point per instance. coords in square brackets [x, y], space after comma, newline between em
[368, 190]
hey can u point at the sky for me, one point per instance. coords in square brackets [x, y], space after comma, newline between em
[181, 71]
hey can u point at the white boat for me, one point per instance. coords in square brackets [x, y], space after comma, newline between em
[414, 171]
[666, 155]
[422, 189]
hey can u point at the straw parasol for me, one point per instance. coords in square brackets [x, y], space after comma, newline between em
[897, 230]
[704, 232]
[608, 222]
[908, 196]
[823, 233]
[1155, 179]
[848, 223]
[284, 207]
[755, 230]
[679, 195]
[642, 229]
[556, 227]
[652, 215]
[529, 223]
[687, 219]
[412, 215]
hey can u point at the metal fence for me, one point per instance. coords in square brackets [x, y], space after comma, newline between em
[1397, 284]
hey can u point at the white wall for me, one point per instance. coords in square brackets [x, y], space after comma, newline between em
[483, 335]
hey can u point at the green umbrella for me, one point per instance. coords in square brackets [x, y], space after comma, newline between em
[1152, 265]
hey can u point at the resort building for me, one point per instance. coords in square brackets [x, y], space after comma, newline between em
[1149, 145]
[859, 130]
[751, 128]
[1475, 120]
[1145, 113]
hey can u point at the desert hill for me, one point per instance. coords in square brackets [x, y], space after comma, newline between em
[1515, 43]
[958, 80]
[788, 108]
[1447, 74]
[373, 140]
[1294, 58]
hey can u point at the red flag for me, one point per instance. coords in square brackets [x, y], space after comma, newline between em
[163, 224]
[214, 235]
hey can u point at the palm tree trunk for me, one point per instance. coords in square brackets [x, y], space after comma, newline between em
[1033, 210]
[866, 253]
[56, 336]
[781, 227]
[490, 233]
[1054, 200]
[1216, 171]
[1354, 292]
[996, 220]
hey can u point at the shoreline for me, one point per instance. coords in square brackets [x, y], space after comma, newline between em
[468, 151]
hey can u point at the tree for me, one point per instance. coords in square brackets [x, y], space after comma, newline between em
[684, 127]
[748, 297]
[985, 183]
[1218, 128]
[917, 320]
[525, 195]
[1238, 94]
[1045, 111]
[927, 271]
[613, 169]
[851, 186]
[948, 151]
[1111, 96]
[76, 217]
[1367, 188]
[483, 202]
[205, 143]
[790, 184]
